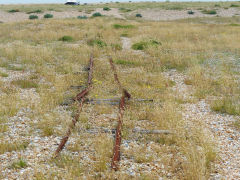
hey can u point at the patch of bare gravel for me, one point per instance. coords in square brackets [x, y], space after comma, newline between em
[165, 15]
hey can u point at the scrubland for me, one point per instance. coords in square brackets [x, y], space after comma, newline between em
[38, 67]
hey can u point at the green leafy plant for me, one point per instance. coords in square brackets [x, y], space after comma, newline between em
[82, 17]
[190, 12]
[48, 16]
[33, 17]
[14, 10]
[97, 42]
[211, 12]
[66, 38]
[138, 15]
[97, 14]
[106, 9]
[35, 11]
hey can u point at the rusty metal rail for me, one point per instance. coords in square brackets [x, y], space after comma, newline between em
[122, 104]
[81, 99]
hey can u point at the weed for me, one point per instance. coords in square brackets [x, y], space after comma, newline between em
[2, 74]
[124, 62]
[82, 17]
[97, 14]
[116, 47]
[66, 38]
[25, 84]
[35, 11]
[138, 15]
[144, 44]
[211, 12]
[124, 10]
[14, 146]
[19, 164]
[106, 9]
[119, 26]
[33, 17]
[48, 16]
[96, 42]
[234, 24]
[190, 12]
[3, 128]
[234, 5]
[14, 10]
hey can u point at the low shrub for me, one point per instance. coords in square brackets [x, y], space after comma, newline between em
[82, 17]
[35, 11]
[97, 42]
[144, 44]
[13, 10]
[33, 17]
[66, 38]
[234, 5]
[211, 12]
[138, 15]
[48, 16]
[190, 12]
[119, 26]
[97, 14]
[124, 10]
[106, 9]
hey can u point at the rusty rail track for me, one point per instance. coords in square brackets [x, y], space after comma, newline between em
[80, 98]
[118, 135]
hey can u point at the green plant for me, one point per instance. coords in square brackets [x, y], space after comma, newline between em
[66, 38]
[119, 26]
[13, 10]
[138, 15]
[234, 5]
[124, 10]
[19, 164]
[211, 12]
[25, 84]
[97, 42]
[97, 14]
[234, 24]
[106, 9]
[35, 11]
[33, 17]
[190, 12]
[125, 62]
[82, 17]
[48, 16]
[3, 74]
[144, 44]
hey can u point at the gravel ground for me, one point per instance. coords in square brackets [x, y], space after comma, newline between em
[221, 126]
[165, 15]
[21, 16]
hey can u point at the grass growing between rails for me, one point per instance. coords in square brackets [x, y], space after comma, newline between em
[55, 63]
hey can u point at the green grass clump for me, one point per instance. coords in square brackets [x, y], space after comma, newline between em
[138, 15]
[211, 12]
[125, 62]
[97, 14]
[125, 10]
[226, 105]
[14, 146]
[14, 10]
[3, 74]
[234, 24]
[82, 17]
[19, 164]
[35, 11]
[234, 5]
[66, 38]
[119, 26]
[33, 17]
[25, 84]
[48, 16]
[144, 44]
[106, 9]
[97, 42]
